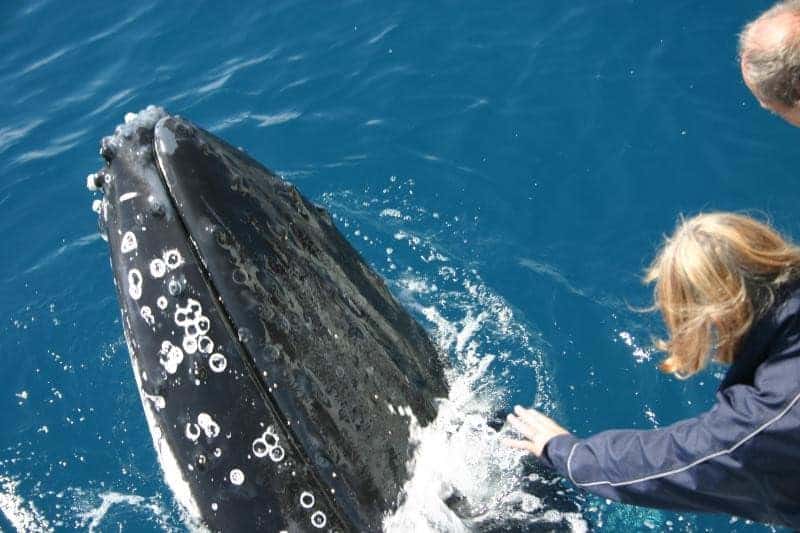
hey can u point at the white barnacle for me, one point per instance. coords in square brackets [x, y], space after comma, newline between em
[147, 315]
[91, 182]
[188, 317]
[128, 196]
[181, 318]
[236, 476]
[318, 519]
[135, 283]
[260, 448]
[209, 427]
[162, 303]
[128, 243]
[307, 500]
[195, 308]
[189, 344]
[203, 325]
[277, 454]
[270, 437]
[171, 357]
[205, 344]
[191, 329]
[157, 268]
[192, 431]
[173, 259]
[217, 362]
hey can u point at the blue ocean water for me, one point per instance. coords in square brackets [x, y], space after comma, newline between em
[509, 167]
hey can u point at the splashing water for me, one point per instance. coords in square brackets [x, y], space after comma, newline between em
[23, 516]
[462, 477]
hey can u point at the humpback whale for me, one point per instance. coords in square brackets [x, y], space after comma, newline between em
[277, 373]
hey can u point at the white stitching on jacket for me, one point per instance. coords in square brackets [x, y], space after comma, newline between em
[683, 468]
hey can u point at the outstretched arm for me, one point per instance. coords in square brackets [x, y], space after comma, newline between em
[716, 462]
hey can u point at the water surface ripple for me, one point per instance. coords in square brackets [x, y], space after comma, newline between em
[508, 167]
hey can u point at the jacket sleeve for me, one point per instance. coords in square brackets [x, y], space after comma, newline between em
[714, 462]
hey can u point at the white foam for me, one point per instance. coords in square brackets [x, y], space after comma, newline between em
[416, 285]
[11, 135]
[214, 85]
[459, 453]
[382, 34]
[23, 516]
[453, 453]
[265, 121]
[640, 354]
[390, 212]
[92, 518]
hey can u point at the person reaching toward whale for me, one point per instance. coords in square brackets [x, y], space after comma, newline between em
[728, 288]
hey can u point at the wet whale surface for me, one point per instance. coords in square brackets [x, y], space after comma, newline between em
[278, 374]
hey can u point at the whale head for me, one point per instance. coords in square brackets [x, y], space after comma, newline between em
[278, 374]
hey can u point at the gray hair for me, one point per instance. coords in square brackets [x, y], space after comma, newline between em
[773, 72]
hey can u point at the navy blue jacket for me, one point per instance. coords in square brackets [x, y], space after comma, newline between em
[742, 457]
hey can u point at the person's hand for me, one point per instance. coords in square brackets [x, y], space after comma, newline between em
[535, 427]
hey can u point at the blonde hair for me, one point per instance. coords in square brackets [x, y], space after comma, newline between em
[713, 278]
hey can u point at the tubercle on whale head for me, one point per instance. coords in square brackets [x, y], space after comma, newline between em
[129, 153]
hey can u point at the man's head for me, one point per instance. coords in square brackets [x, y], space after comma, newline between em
[769, 55]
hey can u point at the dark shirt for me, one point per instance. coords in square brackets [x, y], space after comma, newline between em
[742, 457]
